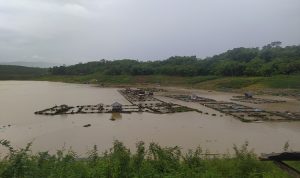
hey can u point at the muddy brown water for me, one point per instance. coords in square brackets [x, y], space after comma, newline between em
[20, 99]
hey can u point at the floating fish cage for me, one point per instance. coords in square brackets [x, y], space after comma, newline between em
[141, 101]
[255, 100]
[244, 113]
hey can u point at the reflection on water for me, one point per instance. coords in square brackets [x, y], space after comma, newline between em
[19, 100]
[115, 116]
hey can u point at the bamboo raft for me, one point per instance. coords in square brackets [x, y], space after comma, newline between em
[244, 113]
[255, 100]
[139, 103]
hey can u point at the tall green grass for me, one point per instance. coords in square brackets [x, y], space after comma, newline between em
[283, 81]
[120, 162]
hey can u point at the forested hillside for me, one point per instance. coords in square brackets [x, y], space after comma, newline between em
[9, 72]
[271, 59]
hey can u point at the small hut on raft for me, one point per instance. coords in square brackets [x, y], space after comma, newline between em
[116, 107]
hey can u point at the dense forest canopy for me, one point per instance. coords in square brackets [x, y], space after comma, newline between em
[269, 60]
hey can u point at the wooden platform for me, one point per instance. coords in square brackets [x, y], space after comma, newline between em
[278, 159]
[242, 112]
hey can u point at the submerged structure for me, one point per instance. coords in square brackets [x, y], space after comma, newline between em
[141, 101]
[242, 112]
[250, 99]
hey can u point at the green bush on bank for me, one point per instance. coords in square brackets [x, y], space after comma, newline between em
[119, 161]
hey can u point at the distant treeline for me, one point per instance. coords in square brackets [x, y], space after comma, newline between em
[271, 59]
[10, 72]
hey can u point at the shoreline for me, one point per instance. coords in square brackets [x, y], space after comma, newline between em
[257, 89]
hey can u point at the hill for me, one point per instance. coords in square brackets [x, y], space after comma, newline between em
[9, 72]
[270, 60]
[30, 64]
[269, 67]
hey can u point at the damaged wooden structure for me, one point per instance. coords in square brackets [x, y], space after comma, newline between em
[242, 112]
[144, 99]
[255, 100]
[141, 101]
[88, 109]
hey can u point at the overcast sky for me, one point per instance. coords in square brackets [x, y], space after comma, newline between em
[70, 31]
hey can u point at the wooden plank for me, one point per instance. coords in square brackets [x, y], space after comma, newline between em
[285, 156]
[277, 158]
[290, 170]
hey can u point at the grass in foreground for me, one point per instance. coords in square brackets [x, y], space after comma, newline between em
[119, 162]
